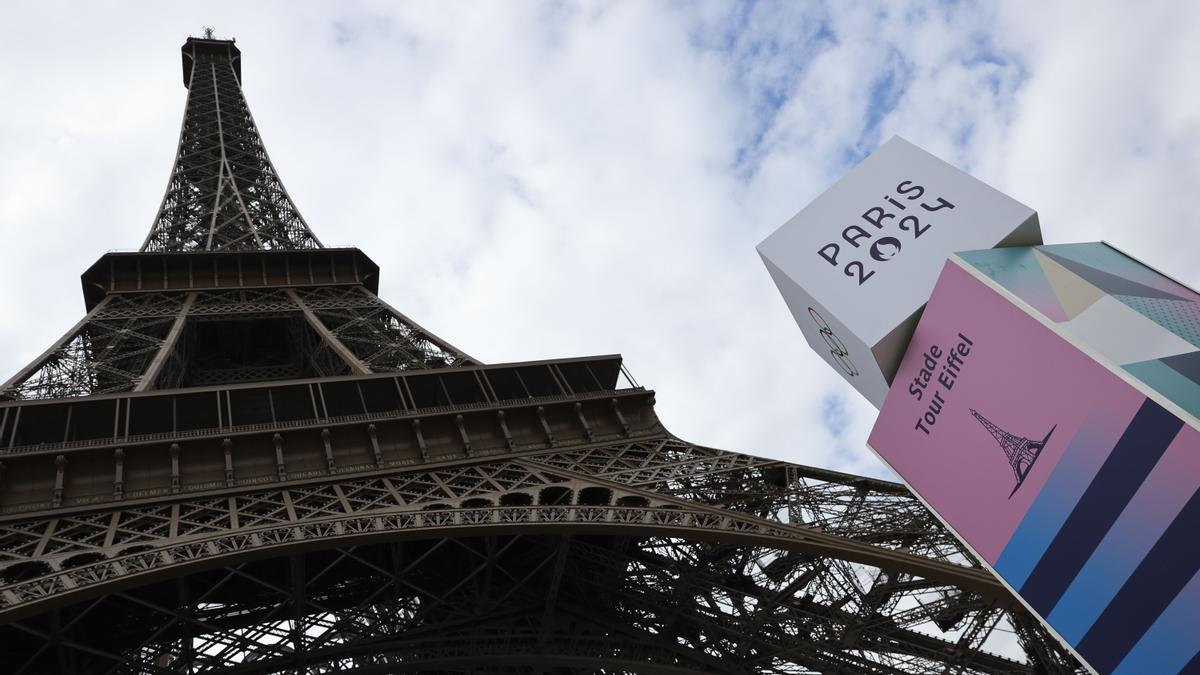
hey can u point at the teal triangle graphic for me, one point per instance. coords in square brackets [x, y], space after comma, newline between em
[1101, 256]
[1187, 365]
[1180, 389]
[1018, 271]
[1111, 283]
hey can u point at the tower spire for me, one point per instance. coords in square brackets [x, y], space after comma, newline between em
[241, 459]
[230, 285]
[223, 193]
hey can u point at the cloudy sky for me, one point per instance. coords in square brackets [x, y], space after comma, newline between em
[559, 179]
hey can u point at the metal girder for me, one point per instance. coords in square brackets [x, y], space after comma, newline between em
[147, 379]
[377, 336]
[328, 338]
[386, 504]
[224, 193]
[109, 350]
[132, 341]
[678, 597]
[747, 567]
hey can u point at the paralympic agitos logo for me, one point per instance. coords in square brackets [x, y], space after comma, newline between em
[908, 226]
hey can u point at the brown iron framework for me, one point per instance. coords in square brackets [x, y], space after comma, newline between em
[223, 194]
[242, 460]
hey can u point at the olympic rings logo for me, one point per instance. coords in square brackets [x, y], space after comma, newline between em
[837, 349]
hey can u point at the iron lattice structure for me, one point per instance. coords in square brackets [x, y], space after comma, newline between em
[241, 460]
[224, 193]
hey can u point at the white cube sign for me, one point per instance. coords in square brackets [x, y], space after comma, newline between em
[857, 264]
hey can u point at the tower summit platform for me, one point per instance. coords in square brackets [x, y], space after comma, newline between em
[200, 49]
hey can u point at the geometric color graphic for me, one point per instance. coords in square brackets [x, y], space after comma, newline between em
[1018, 269]
[1104, 257]
[1181, 317]
[1101, 542]
[1111, 260]
[1166, 647]
[1187, 365]
[1136, 318]
[1123, 334]
[1159, 500]
[1169, 382]
[1108, 282]
[1074, 293]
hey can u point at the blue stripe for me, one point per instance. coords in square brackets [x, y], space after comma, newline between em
[1150, 589]
[1057, 497]
[1192, 667]
[1171, 641]
[1136, 453]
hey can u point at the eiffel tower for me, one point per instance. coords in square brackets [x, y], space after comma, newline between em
[1020, 451]
[243, 460]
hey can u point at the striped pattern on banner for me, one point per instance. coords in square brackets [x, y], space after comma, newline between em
[1108, 552]
[1157, 581]
[1136, 453]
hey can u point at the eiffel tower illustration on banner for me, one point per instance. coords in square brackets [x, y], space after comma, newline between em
[1020, 451]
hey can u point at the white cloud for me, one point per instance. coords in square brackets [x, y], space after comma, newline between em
[554, 180]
